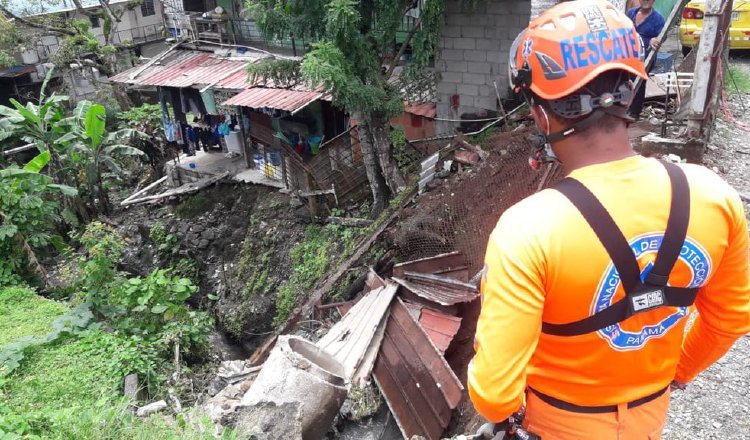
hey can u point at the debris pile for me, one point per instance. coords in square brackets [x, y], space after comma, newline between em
[396, 331]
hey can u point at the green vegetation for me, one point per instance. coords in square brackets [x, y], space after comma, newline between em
[70, 387]
[736, 80]
[166, 244]
[405, 162]
[311, 260]
[26, 217]
[193, 207]
[25, 314]
[151, 310]
[481, 138]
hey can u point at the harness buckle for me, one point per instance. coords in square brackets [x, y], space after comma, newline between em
[646, 300]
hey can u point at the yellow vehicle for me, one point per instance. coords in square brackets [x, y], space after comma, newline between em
[692, 25]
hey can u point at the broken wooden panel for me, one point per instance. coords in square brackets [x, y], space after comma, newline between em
[349, 340]
[420, 388]
[452, 264]
[441, 328]
[441, 294]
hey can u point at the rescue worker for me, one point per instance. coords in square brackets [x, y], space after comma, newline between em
[589, 284]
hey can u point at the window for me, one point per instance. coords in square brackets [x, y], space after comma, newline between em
[147, 8]
[94, 21]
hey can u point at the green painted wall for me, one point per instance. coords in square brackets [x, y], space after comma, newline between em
[664, 7]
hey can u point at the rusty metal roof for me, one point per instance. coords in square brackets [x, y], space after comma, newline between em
[281, 99]
[185, 68]
[439, 289]
[169, 62]
[428, 110]
[440, 328]
[452, 264]
[420, 388]
[236, 81]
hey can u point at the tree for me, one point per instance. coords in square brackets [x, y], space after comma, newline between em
[354, 61]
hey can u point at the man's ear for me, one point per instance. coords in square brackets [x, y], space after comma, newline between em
[540, 118]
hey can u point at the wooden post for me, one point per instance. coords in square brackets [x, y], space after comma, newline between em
[715, 28]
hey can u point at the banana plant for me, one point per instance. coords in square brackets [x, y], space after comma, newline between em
[94, 151]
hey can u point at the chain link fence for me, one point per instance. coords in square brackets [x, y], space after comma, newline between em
[461, 210]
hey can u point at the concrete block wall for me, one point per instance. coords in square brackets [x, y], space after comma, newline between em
[474, 53]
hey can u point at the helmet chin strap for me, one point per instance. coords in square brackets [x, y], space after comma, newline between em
[542, 153]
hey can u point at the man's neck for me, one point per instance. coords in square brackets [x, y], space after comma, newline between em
[645, 12]
[595, 148]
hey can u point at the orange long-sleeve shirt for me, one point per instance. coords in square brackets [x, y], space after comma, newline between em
[544, 263]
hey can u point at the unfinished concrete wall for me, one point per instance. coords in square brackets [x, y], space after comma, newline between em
[474, 54]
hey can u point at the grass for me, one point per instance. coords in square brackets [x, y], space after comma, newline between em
[736, 80]
[26, 314]
[71, 388]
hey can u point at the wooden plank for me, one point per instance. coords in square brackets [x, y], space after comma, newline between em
[184, 189]
[362, 374]
[146, 189]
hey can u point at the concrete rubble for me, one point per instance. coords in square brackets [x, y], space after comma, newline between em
[151, 408]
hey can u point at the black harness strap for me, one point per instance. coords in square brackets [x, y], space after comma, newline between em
[677, 224]
[623, 258]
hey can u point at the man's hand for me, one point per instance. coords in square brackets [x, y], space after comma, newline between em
[654, 44]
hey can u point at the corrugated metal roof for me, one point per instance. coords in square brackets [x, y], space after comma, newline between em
[440, 328]
[24, 8]
[445, 294]
[428, 110]
[169, 61]
[236, 81]
[205, 72]
[360, 333]
[452, 264]
[15, 71]
[281, 99]
[420, 388]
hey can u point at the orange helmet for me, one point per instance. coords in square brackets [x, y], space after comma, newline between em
[572, 43]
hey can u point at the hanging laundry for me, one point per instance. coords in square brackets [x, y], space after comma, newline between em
[224, 129]
[209, 101]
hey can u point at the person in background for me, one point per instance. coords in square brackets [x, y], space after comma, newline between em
[648, 23]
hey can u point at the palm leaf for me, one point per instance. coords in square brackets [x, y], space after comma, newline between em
[38, 163]
[112, 165]
[65, 189]
[123, 149]
[96, 118]
[26, 113]
[15, 172]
